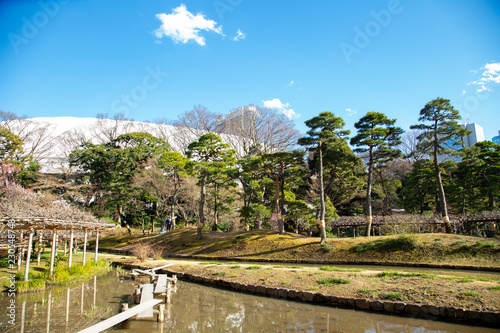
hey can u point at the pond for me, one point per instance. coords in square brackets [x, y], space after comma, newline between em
[195, 308]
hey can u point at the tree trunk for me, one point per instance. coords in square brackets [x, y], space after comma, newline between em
[119, 211]
[322, 229]
[491, 200]
[201, 215]
[174, 200]
[216, 213]
[281, 225]
[369, 217]
[442, 197]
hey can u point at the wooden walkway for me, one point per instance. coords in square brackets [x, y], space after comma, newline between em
[110, 322]
[143, 311]
[146, 295]
[161, 284]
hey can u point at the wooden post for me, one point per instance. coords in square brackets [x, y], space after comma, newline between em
[137, 295]
[96, 245]
[71, 235]
[84, 247]
[161, 313]
[81, 302]
[23, 316]
[169, 293]
[95, 288]
[65, 247]
[20, 252]
[67, 305]
[40, 245]
[28, 256]
[53, 252]
[48, 309]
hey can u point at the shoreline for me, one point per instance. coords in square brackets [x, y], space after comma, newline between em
[399, 308]
[315, 262]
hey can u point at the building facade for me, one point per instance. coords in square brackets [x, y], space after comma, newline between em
[496, 139]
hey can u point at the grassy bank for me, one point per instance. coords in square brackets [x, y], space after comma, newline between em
[39, 277]
[449, 249]
[466, 292]
[62, 275]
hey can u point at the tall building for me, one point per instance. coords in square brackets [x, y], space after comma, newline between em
[476, 136]
[496, 139]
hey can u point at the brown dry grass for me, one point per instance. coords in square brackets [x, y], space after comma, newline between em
[440, 290]
[263, 245]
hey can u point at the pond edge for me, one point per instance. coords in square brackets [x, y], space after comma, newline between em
[420, 311]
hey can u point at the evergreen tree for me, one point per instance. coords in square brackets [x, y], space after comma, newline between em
[323, 129]
[209, 157]
[441, 135]
[377, 136]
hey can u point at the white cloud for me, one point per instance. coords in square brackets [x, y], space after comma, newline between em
[182, 26]
[291, 83]
[283, 107]
[491, 74]
[239, 35]
[275, 103]
[463, 92]
[351, 112]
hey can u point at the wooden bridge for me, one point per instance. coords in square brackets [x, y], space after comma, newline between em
[144, 296]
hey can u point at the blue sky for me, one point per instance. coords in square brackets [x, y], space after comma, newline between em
[155, 59]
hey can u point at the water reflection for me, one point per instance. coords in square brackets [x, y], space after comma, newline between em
[195, 308]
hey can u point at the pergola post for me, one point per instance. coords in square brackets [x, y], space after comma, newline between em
[40, 244]
[53, 252]
[84, 247]
[28, 256]
[71, 235]
[20, 251]
[96, 245]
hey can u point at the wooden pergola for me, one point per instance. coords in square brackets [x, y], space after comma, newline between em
[20, 224]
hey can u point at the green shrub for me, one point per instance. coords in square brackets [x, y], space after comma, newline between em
[60, 259]
[4, 262]
[405, 274]
[392, 296]
[327, 247]
[402, 242]
[338, 269]
[253, 267]
[30, 285]
[333, 280]
[225, 226]
[365, 291]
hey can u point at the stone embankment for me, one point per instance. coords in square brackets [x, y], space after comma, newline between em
[430, 312]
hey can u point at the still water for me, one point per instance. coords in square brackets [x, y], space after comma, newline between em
[195, 308]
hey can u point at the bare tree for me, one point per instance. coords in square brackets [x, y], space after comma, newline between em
[408, 146]
[107, 129]
[37, 135]
[254, 129]
[192, 124]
